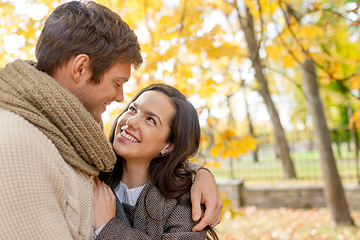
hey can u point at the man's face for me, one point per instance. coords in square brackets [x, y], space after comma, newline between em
[95, 97]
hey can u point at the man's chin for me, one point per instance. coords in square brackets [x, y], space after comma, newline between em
[98, 118]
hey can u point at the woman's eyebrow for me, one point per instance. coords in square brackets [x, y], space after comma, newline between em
[147, 112]
[154, 115]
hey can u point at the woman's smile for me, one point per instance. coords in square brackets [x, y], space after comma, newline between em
[128, 136]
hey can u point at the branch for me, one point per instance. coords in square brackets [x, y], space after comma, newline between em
[182, 20]
[261, 24]
[305, 51]
[338, 14]
[297, 85]
[148, 25]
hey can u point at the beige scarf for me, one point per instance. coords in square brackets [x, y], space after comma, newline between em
[56, 112]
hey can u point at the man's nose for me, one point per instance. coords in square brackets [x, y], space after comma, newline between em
[119, 97]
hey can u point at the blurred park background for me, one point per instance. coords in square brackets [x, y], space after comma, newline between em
[276, 84]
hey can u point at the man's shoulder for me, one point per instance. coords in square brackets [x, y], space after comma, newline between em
[18, 134]
[12, 124]
[8, 117]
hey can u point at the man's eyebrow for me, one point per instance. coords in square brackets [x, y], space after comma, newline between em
[123, 79]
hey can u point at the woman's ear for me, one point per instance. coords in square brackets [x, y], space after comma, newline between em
[80, 67]
[167, 149]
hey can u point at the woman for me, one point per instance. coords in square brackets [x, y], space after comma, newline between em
[153, 139]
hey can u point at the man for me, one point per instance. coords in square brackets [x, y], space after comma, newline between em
[51, 143]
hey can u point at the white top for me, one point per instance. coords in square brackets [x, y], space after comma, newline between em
[128, 195]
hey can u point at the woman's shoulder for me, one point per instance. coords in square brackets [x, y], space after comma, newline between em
[154, 201]
[153, 197]
[161, 216]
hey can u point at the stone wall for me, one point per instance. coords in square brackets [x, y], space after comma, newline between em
[282, 196]
[233, 190]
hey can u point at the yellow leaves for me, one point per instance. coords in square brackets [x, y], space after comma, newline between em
[355, 120]
[225, 50]
[337, 2]
[274, 51]
[213, 164]
[20, 26]
[310, 32]
[268, 7]
[288, 61]
[229, 144]
[48, 3]
[208, 88]
[355, 82]
[170, 53]
[251, 142]
[212, 121]
[226, 135]
[217, 149]
[107, 127]
[290, 56]
[6, 9]
[223, 6]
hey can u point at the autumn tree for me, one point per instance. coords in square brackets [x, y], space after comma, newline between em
[247, 25]
[333, 189]
[309, 58]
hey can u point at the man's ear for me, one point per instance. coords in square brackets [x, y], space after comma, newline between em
[168, 148]
[80, 67]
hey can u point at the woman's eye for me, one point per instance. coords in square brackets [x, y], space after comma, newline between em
[132, 109]
[152, 121]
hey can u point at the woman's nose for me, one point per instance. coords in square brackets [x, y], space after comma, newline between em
[133, 122]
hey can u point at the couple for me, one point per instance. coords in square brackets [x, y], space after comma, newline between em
[52, 145]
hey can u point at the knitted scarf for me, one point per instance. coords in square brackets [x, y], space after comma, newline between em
[57, 113]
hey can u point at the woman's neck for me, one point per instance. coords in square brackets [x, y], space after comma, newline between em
[135, 174]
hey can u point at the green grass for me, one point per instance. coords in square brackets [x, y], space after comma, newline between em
[307, 168]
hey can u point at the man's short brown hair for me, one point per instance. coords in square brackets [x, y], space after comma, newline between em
[88, 28]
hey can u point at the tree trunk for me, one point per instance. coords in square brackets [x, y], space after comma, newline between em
[356, 142]
[251, 128]
[333, 189]
[279, 134]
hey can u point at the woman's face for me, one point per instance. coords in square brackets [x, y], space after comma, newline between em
[142, 131]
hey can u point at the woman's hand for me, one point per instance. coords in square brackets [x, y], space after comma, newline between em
[104, 203]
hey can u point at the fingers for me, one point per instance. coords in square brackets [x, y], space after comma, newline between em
[196, 206]
[102, 190]
[95, 188]
[208, 218]
[217, 218]
[212, 215]
[104, 203]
